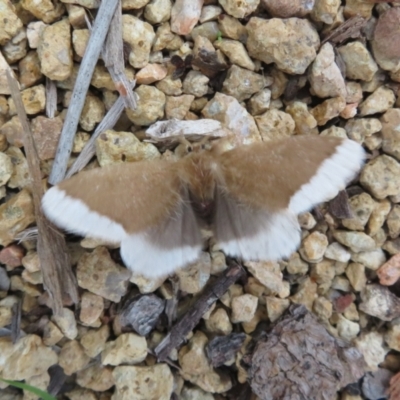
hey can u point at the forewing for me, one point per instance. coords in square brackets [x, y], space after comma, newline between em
[295, 173]
[262, 187]
[143, 205]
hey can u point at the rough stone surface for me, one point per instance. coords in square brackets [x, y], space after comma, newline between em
[325, 77]
[139, 35]
[143, 383]
[15, 215]
[72, 357]
[313, 247]
[290, 43]
[114, 147]
[381, 177]
[98, 273]
[275, 124]
[372, 347]
[55, 52]
[150, 106]
[391, 132]
[359, 62]
[128, 348]
[378, 102]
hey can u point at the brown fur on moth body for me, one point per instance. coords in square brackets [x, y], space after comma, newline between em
[249, 195]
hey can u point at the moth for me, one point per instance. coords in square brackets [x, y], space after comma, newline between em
[249, 196]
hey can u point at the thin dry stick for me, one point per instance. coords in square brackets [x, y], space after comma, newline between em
[93, 49]
[181, 329]
[113, 56]
[51, 98]
[54, 259]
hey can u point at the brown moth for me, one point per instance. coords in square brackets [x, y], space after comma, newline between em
[249, 196]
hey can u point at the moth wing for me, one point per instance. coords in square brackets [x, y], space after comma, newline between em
[141, 205]
[263, 186]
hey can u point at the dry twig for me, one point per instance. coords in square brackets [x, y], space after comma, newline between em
[181, 329]
[93, 49]
[54, 259]
[350, 29]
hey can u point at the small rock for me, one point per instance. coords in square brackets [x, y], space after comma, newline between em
[193, 278]
[146, 285]
[325, 77]
[96, 377]
[33, 33]
[306, 293]
[12, 130]
[158, 11]
[177, 107]
[150, 106]
[208, 30]
[196, 84]
[72, 357]
[12, 255]
[143, 383]
[359, 62]
[322, 307]
[169, 86]
[21, 359]
[375, 384]
[67, 323]
[51, 334]
[334, 131]
[94, 341]
[276, 307]
[15, 49]
[139, 35]
[236, 53]
[116, 147]
[296, 265]
[142, 313]
[239, 9]
[288, 8]
[197, 369]
[16, 214]
[386, 39]
[219, 322]
[232, 28]
[185, 15]
[165, 39]
[55, 52]
[304, 121]
[378, 102]
[370, 259]
[355, 272]
[232, 116]
[379, 302]
[275, 124]
[80, 38]
[391, 132]
[10, 23]
[33, 98]
[347, 330]
[98, 273]
[267, 273]
[359, 129]
[381, 177]
[371, 345]
[389, 273]
[357, 241]
[46, 134]
[323, 274]
[38, 381]
[150, 73]
[133, 4]
[44, 11]
[313, 247]
[128, 348]
[4, 281]
[92, 307]
[393, 222]
[260, 102]
[361, 206]
[21, 176]
[243, 308]
[290, 43]
[328, 109]
[325, 11]
[92, 113]
[335, 251]
[378, 216]
[194, 393]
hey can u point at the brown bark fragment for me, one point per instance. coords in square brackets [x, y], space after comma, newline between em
[300, 360]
